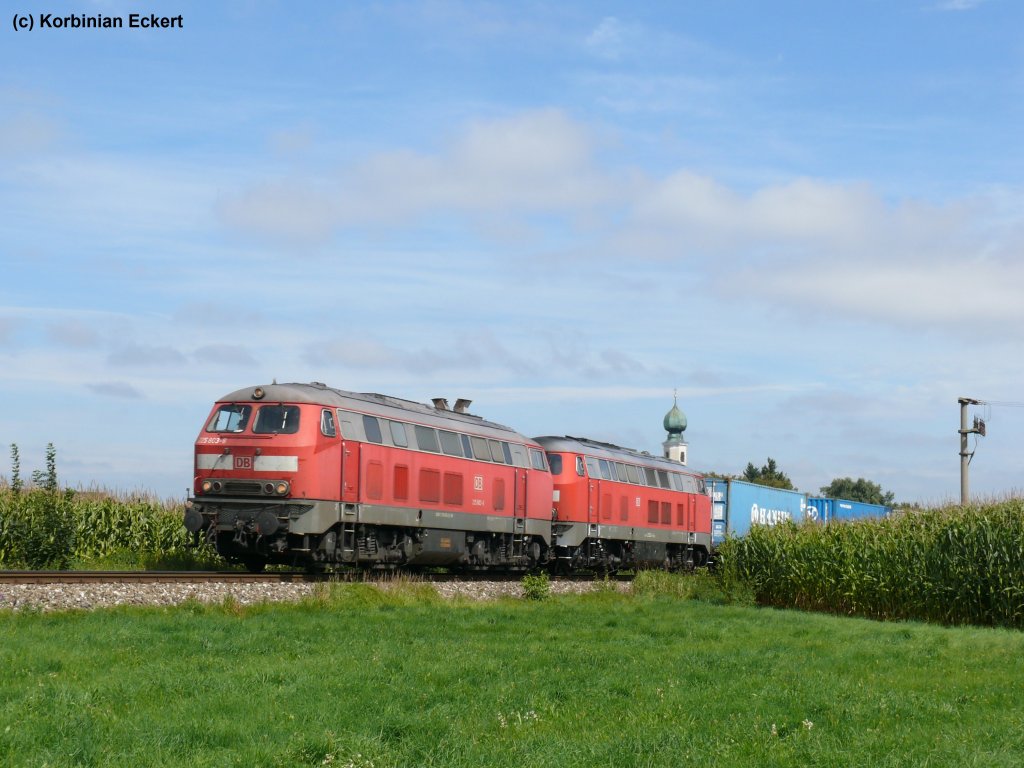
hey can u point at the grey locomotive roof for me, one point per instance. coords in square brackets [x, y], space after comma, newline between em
[611, 451]
[373, 404]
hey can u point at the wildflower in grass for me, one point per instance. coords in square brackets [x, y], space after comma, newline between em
[808, 724]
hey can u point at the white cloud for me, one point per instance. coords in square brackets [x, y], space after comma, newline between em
[606, 39]
[959, 5]
[534, 163]
[116, 389]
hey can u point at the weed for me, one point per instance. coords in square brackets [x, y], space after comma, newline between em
[536, 586]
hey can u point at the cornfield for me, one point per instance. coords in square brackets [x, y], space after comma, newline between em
[956, 565]
[42, 528]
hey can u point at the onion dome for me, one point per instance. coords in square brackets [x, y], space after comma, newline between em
[675, 420]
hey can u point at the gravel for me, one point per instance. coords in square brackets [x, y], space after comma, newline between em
[64, 597]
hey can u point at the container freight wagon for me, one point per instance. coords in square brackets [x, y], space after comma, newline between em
[737, 505]
[841, 510]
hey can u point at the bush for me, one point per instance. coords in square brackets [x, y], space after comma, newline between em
[536, 586]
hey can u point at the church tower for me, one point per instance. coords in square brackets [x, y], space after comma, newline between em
[675, 424]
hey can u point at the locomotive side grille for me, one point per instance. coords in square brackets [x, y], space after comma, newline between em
[243, 486]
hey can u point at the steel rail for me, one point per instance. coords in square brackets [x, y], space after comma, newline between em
[272, 577]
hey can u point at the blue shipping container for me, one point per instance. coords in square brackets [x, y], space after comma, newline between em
[819, 509]
[843, 510]
[738, 505]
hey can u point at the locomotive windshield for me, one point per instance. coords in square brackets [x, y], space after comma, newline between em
[277, 420]
[230, 418]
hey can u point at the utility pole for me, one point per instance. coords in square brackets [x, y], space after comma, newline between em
[965, 457]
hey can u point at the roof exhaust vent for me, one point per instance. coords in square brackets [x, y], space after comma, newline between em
[462, 405]
[441, 403]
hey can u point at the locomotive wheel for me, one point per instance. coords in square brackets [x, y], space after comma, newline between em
[254, 563]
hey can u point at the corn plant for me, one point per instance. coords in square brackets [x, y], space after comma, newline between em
[952, 565]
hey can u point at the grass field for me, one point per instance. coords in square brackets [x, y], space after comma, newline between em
[359, 678]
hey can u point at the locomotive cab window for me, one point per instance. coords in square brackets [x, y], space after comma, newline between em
[230, 418]
[327, 423]
[555, 462]
[277, 420]
[579, 466]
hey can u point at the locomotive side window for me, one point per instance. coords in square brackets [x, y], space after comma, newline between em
[652, 478]
[519, 456]
[398, 435]
[507, 452]
[606, 470]
[497, 456]
[347, 422]
[327, 423]
[450, 443]
[631, 474]
[579, 466]
[555, 462]
[426, 439]
[620, 472]
[480, 449]
[593, 469]
[663, 478]
[537, 460]
[372, 427]
[467, 449]
[277, 420]
[230, 418]
[676, 480]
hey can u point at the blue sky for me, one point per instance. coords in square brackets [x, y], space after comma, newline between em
[806, 217]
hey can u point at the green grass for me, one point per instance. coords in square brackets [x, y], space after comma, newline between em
[358, 677]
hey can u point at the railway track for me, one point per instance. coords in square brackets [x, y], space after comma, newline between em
[273, 577]
[153, 577]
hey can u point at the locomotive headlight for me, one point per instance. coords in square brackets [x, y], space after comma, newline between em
[207, 486]
[282, 488]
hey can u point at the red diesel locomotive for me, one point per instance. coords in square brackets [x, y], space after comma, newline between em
[304, 474]
[619, 508]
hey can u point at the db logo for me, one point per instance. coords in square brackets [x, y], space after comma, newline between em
[243, 462]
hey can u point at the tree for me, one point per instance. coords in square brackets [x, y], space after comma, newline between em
[858, 490]
[768, 475]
